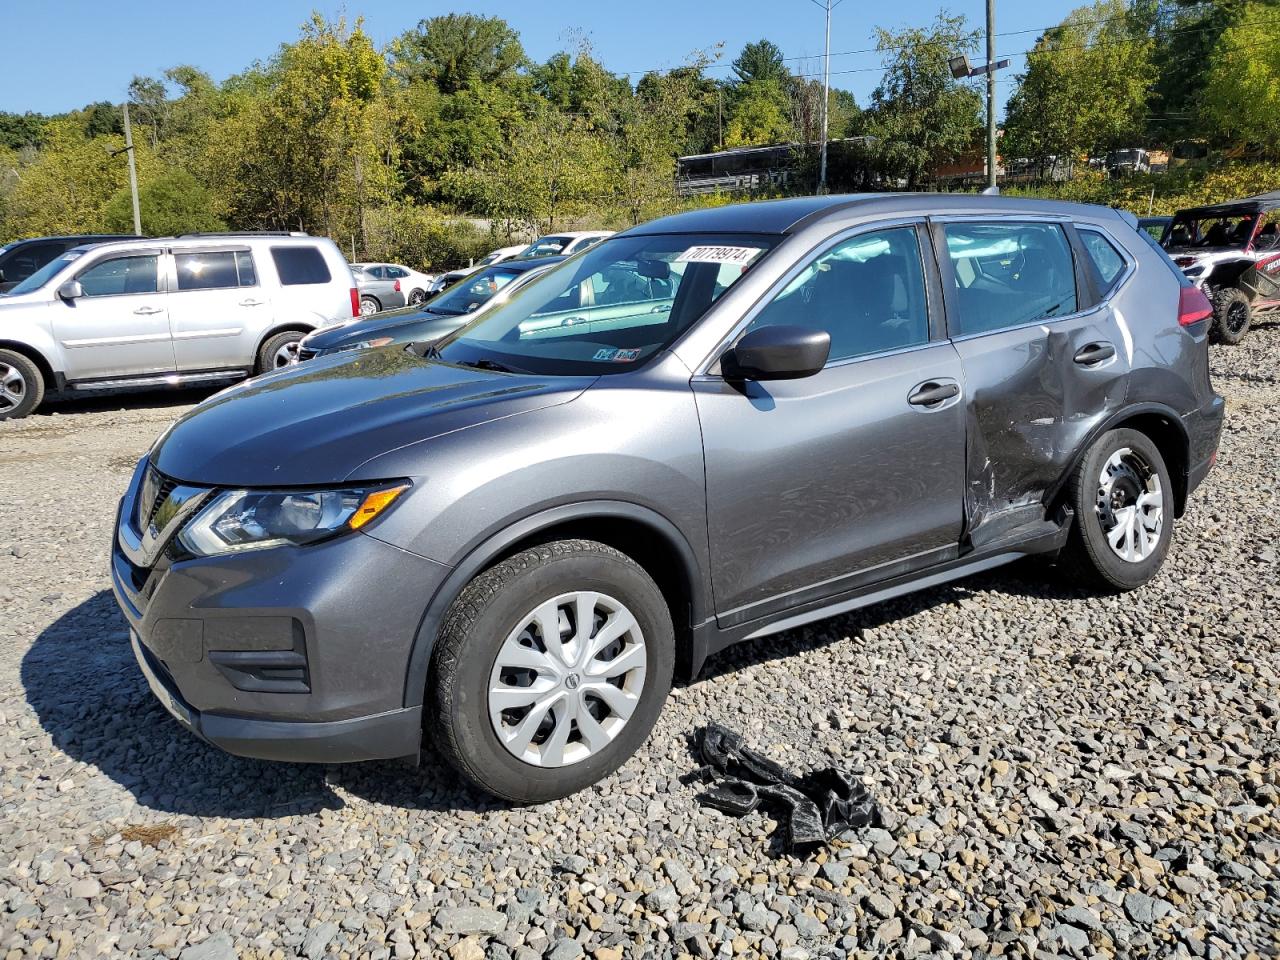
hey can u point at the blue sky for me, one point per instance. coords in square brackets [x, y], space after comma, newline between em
[62, 54]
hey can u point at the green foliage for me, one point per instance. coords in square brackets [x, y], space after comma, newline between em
[1085, 88]
[22, 129]
[1161, 193]
[1241, 97]
[762, 62]
[760, 115]
[172, 203]
[423, 239]
[919, 114]
[457, 51]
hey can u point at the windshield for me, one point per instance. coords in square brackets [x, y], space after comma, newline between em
[473, 292]
[43, 275]
[545, 247]
[609, 309]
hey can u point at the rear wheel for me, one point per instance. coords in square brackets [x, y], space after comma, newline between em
[1231, 315]
[369, 306]
[1123, 499]
[416, 297]
[21, 386]
[550, 670]
[279, 351]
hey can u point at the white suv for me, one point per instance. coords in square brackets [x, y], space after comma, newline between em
[183, 310]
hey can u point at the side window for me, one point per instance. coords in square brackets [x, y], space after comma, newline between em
[110, 278]
[208, 270]
[1105, 259]
[1008, 274]
[868, 293]
[300, 265]
[397, 273]
[245, 269]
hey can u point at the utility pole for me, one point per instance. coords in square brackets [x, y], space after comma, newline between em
[827, 6]
[991, 94]
[133, 171]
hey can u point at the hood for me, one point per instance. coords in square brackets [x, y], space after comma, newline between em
[401, 324]
[316, 423]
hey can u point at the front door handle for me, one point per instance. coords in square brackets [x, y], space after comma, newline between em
[251, 303]
[927, 394]
[148, 311]
[1094, 353]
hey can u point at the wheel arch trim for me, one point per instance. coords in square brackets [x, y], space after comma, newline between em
[484, 554]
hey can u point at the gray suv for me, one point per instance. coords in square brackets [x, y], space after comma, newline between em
[714, 427]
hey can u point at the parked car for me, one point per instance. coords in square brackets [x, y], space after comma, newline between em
[1230, 251]
[1124, 163]
[377, 293]
[131, 314]
[424, 323]
[563, 244]
[771, 414]
[1156, 226]
[21, 258]
[501, 255]
[413, 283]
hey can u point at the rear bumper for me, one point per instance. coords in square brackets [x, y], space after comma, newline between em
[1204, 430]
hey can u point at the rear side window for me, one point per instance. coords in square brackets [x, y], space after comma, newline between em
[300, 265]
[1104, 258]
[1009, 274]
[215, 270]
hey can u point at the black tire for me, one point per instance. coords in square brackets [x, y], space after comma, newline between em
[368, 301]
[416, 297]
[1232, 314]
[1089, 553]
[474, 630]
[268, 353]
[21, 386]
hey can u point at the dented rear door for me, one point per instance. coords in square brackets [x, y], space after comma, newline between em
[1043, 362]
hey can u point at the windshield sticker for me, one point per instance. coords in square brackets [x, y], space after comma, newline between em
[739, 255]
[610, 355]
[605, 354]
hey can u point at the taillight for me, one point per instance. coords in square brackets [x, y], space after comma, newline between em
[1193, 306]
[355, 301]
[1185, 261]
[397, 286]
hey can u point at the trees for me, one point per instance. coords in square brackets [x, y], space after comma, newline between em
[1241, 98]
[919, 114]
[456, 51]
[171, 203]
[1086, 86]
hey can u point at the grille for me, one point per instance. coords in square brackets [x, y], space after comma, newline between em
[156, 488]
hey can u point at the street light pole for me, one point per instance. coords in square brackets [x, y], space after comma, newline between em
[991, 94]
[827, 6]
[133, 171]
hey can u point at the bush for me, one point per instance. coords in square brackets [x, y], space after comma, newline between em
[1173, 191]
[422, 239]
[171, 204]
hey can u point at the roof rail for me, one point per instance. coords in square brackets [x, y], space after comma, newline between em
[246, 233]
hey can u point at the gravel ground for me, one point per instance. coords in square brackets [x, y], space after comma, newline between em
[1062, 774]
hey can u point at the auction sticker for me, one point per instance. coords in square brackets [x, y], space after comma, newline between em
[739, 255]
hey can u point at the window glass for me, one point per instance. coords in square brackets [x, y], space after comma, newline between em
[1107, 262]
[868, 293]
[1008, 274]
[207, 270]
[473, 292]
[609, 309]
[397, 273]
[26, 260]
[122, 275]
[245, 270]
[300, 265]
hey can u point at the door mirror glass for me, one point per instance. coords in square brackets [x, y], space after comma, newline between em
[777, 353]
[71, 290]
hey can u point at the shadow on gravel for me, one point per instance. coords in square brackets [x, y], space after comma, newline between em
[108, 401]
[81, 679]
[1033, 578]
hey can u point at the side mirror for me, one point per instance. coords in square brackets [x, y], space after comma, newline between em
[71, 290]
[777, 353]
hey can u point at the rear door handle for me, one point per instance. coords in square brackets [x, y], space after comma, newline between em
[148, 311]
[927, 394]
[1094, 353]
[251, 303]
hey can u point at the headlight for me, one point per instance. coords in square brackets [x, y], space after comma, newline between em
[239, 520]
[365, 344]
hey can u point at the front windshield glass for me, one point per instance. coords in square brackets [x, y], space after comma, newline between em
[473, 292]
[610, 308]
[45, 273]
[545, 247]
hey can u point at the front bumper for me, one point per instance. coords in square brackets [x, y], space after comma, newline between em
[290, 653]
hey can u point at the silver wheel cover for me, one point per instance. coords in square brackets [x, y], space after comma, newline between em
[13, 387]
[1130, 505]
[286, 355]
[567, 679]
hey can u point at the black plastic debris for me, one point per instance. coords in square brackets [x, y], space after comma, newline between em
[816, 806]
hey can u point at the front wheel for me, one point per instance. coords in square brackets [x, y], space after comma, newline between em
[279, 351]
[1123, 499]
[1232, 315]
[550, 670]
[21, 386]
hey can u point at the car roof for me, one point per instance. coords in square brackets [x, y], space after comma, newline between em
[791, 215]
[206, 240]
[1259, 203]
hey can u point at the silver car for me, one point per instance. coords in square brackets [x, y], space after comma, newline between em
[179, 310]
[377, 293]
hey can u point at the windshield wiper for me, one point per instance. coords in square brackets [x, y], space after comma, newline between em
[485, 363]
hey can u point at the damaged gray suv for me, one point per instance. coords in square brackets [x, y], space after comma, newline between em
[710, 428]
